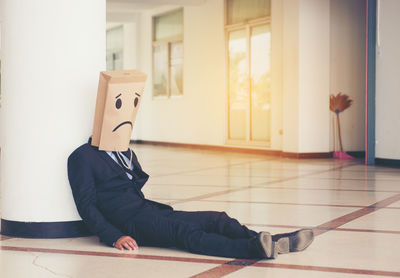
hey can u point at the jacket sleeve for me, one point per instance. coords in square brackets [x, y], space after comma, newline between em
[82, 181]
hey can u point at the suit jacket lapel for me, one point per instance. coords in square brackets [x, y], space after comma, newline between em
[111, 163]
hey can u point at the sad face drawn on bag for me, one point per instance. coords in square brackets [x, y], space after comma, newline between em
[119, 102]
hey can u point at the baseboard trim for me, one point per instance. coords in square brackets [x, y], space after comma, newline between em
[208, 147]
[44, 229]
[394, 163]
[243, 150]
[359, 154]
[307, 155]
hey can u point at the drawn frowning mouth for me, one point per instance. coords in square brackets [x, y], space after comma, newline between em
[121, 124]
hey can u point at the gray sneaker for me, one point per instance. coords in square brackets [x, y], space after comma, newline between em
[293, 242]
[268, 245]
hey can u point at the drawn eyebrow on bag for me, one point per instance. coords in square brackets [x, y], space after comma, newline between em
[118, 96]
[137, 94]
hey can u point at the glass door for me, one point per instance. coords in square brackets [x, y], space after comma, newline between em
[249, 62]
[238, 86]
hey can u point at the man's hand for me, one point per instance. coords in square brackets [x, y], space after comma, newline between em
[126, 242]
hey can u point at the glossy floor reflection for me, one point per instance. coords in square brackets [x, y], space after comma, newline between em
[353, 208]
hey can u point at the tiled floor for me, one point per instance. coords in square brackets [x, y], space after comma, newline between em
[354, 209]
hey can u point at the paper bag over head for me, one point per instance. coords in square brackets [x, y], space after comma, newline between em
[118, 98]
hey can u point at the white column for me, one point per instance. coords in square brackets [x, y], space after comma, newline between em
[387, 81]
[53, 51]
[314, 81]
[306, 54]
[290, 86]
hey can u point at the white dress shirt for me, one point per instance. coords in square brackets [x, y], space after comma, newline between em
[124, 158]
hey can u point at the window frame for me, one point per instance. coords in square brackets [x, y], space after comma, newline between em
[166, 42]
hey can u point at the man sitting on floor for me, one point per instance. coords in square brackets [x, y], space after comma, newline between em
[106, 180]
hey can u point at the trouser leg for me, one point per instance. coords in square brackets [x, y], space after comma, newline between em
[156, 230]
[214, 222]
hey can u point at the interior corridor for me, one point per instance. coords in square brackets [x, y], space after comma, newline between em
[353, 208]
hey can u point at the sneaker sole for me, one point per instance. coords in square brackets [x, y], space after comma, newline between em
[298, 242]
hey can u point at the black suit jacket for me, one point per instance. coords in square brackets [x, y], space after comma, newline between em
[104, 195]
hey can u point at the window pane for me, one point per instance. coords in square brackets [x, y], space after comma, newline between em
[238, 85]
[160, 70]
[242, 10]
[114, 48]
[115, 38]
[114, 60]
[176, 68]
[168, 26]
[260, 61]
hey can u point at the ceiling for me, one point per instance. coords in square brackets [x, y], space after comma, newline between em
[160, 2]
[129, 6]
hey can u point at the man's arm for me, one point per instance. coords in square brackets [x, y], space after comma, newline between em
[80, 175]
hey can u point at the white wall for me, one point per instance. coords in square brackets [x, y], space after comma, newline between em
[290, 76]
[388, 81]
[199, 115]
[347, 69]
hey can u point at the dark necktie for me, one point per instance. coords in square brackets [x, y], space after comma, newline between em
[122, 163]
[127, 153]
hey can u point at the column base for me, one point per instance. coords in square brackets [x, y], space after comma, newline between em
[44, 229]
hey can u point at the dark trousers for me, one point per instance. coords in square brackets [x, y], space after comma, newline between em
[203, 232]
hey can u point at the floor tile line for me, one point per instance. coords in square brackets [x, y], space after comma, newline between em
[218, 271]
[273, 176]
[337, 222]
[337, 229]
[224, 269]
[110, 254]
[340, 167]
[355, 179]
[329, 189]
[330, 225]
[372, 171]
[265, 203]
[218, 193]
[196, 185]
[277, 187]
[224, 266]
[367, 231]
[2, 238]
[279, 226]
[329, 269]
[203, 169]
